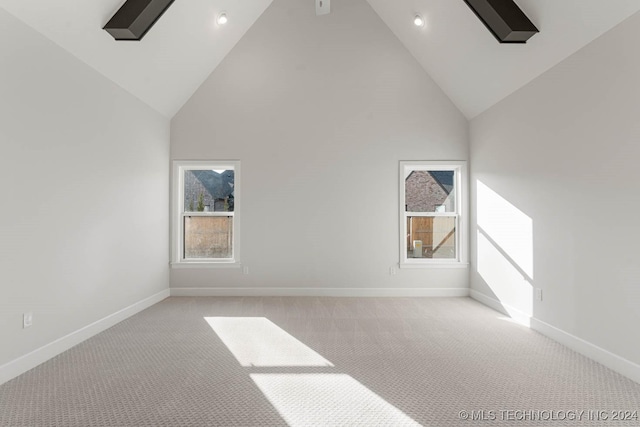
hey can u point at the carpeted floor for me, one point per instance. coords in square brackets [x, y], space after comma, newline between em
[319, 362]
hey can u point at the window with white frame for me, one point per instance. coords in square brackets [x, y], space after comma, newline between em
[205, 213]
[432, 213]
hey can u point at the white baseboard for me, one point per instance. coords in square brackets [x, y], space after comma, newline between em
[612, 361]
[319, 292]
[30, 360]
[515, 314]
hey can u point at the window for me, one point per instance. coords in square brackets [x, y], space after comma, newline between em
[205, 213]
[432, 213]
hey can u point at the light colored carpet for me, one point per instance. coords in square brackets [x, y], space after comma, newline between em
[317, 362]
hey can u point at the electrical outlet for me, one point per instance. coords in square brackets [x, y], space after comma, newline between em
[392, 271]
[245, 270]
[27, 320]
[323, 7]
[538, 294]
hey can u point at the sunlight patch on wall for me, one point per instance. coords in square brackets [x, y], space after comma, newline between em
[256, 341]
[327, 400]
[508, 284]
[509, 227]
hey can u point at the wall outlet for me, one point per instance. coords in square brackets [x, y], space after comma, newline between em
[245, 270]
[392, 271]
[323, 7]
[538, 294]
[27, 320]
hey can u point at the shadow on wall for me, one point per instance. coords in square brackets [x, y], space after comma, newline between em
[505, 252]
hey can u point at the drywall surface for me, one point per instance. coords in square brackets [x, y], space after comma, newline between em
[555, 180]
[319, 110]
[84, 185]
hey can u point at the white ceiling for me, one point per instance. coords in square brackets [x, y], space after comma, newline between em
[469, 64]
[454, 47]
[171, 61]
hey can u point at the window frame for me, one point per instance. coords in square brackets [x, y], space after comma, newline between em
[459, 167]
[178, 212]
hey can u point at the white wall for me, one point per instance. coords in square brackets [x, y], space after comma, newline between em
[84, 187]
[558, 160]
[319, 110]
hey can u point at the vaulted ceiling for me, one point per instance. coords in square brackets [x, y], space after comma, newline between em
[171, 61]
[454, 47]
[476, 71]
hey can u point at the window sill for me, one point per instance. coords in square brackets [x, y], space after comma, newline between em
[230, 264]
[434, 265]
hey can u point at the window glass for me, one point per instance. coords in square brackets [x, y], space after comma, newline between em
[208, 190]
[431, 237]
[208, 237]
[430, 191]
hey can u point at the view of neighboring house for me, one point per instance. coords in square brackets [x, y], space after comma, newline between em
[429, 192]
[212, 189]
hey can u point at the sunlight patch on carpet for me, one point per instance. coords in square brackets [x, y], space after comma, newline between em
[328, 400]
[257, 341]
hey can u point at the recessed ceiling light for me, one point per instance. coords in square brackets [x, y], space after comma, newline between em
[222, 18]
[418, 20]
